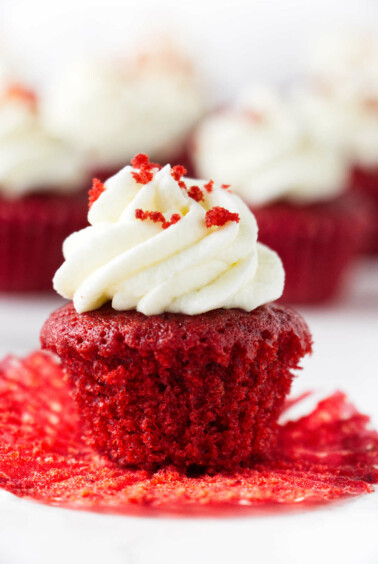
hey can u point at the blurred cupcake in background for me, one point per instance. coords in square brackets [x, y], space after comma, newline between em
[41, 194]
[341, 104]
[112, 109]
[295, 187]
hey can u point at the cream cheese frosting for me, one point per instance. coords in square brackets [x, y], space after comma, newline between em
[190, 267]
[112, 110]
[262, 147]
[30, 159]
[341, 100]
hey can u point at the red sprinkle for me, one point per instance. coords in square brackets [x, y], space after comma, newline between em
[96, 191]
[145, 174]
[329, 454]
[178, 171]
[209, 186]
[196, 193]
[142, 161]
[157, 217]
[217, 216]
[225, 186]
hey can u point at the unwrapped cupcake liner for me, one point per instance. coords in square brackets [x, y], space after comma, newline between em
[317, 244]
[32, 231]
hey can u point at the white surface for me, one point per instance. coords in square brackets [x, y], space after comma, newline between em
[345, 357]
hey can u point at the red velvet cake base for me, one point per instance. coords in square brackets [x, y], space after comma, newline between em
[317, 244]
[32, 231]
[327, 455]
[365, 181]
[200, 391]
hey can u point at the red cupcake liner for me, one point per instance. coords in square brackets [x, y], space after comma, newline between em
[199, 391]
[365, 182]
[32, 231]
[317, 243]
[329, 454]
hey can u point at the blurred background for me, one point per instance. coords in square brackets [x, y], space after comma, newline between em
[233, 42]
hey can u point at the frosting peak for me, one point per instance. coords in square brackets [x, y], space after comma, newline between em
[263, 147]
[161, 242]
[110, 110]
[30, 159]
[341, 100]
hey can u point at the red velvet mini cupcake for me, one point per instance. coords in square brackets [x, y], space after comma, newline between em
[41, 195]
[341, 105]
[186, 366]
[294, 186]
[109, 110]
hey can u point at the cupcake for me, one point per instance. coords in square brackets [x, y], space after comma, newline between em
[112, 109]
[41, 195]
[172, 348]
[341, 105]
[295, 187]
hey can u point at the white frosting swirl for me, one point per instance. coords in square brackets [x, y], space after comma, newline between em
[263, 150]
[113, 110]
[30, 159]
[341, 102]
[187, 267]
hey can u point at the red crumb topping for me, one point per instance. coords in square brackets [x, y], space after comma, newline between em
[217, 216]
[209, 186]
[177, 172]
[145, 174]
[21, 93]
[225, 186]
[157, 217]
[95, 192]
[327, 455]
[142, 161]
[196, 193]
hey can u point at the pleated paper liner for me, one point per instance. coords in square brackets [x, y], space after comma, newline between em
[32, 231]
[317, 243]
[328, 455]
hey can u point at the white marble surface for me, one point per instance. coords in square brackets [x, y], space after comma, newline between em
[345, 357]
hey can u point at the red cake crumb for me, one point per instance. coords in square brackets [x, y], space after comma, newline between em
[142, 161]
[95, 192]
[218, 216]
[177, 172]
[157, 217]
[329, 454]
[209, 186]
[196, 193]
[225, 186]
[193, 192]
[145, 174]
